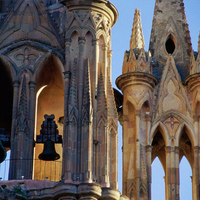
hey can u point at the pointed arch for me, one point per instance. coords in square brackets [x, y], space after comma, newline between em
[158, 181]
[184, 127]
[44, 60]
[113, 125]
[72, 31]
[50, 83]
[102, 34]
[185, 179]
[186, 143]
[159, 126]
[102, 119]
[89, 30]
[170, 44]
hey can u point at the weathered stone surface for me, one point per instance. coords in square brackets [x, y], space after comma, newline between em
[56, 59]
[160, 112]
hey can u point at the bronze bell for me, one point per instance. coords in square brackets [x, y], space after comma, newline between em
[49, 136]
[2, 152]
[49, 152]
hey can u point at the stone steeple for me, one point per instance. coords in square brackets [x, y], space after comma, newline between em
[170, 35]
[136, 59]
[137, 38]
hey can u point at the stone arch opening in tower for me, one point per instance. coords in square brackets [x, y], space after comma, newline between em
[170, 45]
[6, 100]
[50, 100]
[186, 151]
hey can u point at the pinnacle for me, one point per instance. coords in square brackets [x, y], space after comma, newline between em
[137, 38]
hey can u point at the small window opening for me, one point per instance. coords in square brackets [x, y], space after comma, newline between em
[170, 46]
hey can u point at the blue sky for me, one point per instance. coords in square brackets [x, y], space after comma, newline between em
[121, 33]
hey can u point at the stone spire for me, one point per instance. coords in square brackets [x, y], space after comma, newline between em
[170, 35]
[137, 38]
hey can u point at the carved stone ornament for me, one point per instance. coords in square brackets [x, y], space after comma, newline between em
[172, 125]
[25, 56]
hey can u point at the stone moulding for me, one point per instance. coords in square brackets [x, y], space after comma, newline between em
[136, 78]
[102, 5]
[58, 190]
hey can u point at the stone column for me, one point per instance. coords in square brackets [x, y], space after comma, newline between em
[195, 174]
[15, 105]
[177, 173]
[173, 174]
[95, 44]
[16, 85]
[94, 85]
[32, 101]
[106, 181]
[81, 43]
[149, 153]
[66, 163]
[105, 71]
[168, 174]
[137, 154]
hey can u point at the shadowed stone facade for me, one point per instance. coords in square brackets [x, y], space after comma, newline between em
[55, 58]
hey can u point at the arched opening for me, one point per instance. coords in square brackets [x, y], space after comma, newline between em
[170, 45]
[185, 179]
[113, 158]
[158, 181]
[186, 157]
[6, 100]
[4, 167]
[50, 100]
[158, 166]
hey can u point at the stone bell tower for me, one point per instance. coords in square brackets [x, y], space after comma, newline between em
[160, 113]
[56, 61]
[137, 84]
[90, 117]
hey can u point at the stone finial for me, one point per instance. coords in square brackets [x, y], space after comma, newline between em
[136, 60]
[137, 38]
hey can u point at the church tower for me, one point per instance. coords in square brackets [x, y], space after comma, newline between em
[160, 113]
[60, 108]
